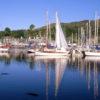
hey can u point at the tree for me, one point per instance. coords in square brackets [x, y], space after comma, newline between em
[19, 33]
[31, 30]
[32, 27]
[7, 31]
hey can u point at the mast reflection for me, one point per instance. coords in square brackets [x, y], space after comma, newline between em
[88, 67]
[92, 65]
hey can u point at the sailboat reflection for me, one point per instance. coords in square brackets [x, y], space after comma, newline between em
[89, 66]
[92, 65]
[47, 79]
[95, 80]
[59, 72]
[5, 57]
[59, 64]
[4, 54]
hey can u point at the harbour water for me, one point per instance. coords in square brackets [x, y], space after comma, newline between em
[24, 77]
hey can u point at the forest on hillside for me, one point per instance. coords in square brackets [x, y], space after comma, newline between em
[68, 29]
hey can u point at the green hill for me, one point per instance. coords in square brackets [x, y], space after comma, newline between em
[68, 28]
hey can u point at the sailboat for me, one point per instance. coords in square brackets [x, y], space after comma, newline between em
[95, 52]
[92, 54]
[61, 46]
[4, 48]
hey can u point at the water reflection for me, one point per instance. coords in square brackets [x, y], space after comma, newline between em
[89, 67]
[56, 76]
[5, 57]
[60, 67]
[92, 66]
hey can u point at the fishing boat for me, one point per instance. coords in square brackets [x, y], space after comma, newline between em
[61, 46]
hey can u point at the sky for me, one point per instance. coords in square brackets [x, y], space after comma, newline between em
[20, 14]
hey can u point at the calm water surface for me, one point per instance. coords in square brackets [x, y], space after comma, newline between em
[27, 78]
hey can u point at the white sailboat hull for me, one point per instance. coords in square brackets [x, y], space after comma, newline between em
[52, 55]
[92, 58]
[96, 54]
[31, 51]
[4, 49]
[4, 54]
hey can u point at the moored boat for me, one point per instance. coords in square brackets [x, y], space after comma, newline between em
[52, 54]
[92, 58]
[92, 53]
[31, 51]
[61, 46]
[4, 48]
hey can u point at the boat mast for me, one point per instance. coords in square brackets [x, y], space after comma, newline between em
[49, 32]
[82, 36]
[47, 28]
[78, 38]
[72, 39]
[96, 30]
[89, 32]
[87, 35]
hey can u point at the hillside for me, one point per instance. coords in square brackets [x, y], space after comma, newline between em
[68, 28]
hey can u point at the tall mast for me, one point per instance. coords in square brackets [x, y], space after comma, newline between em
[95, 31]
[89, 32]
[47, 28]
[78, 37]
[82, 36]
[72, 38]
[49, 32]
[97, 28]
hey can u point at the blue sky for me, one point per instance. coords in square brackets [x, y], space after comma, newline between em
[19, 14]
